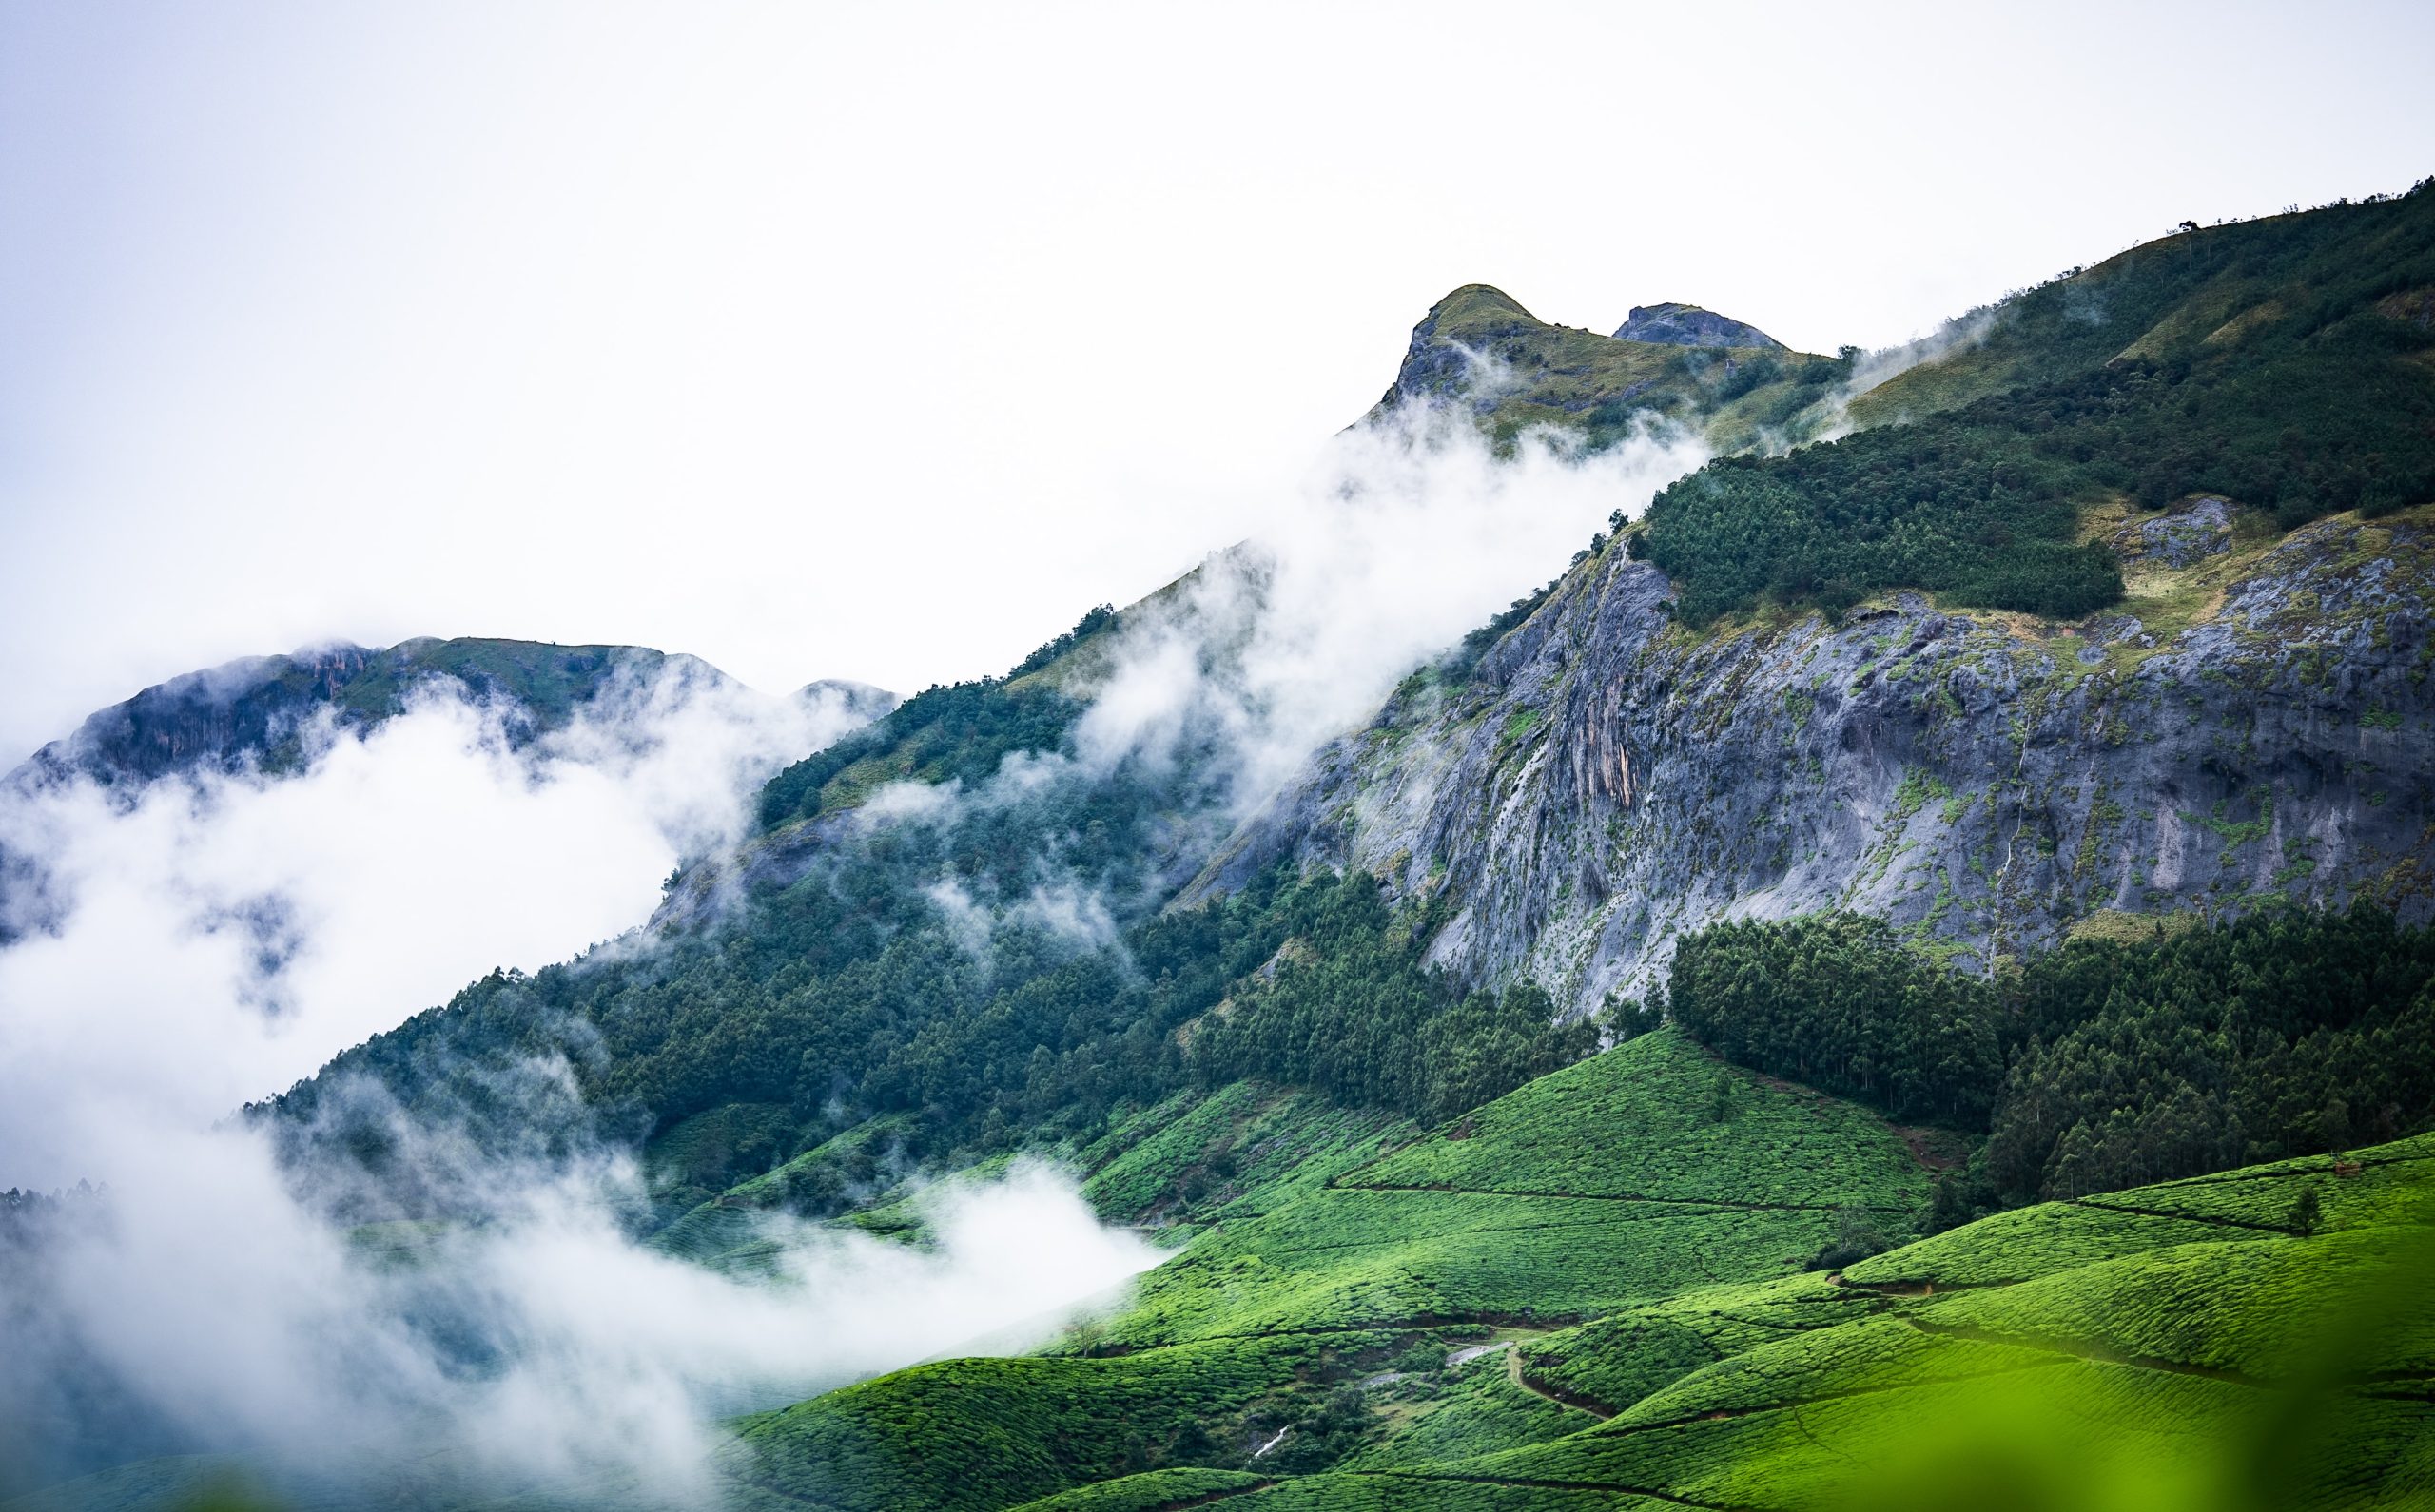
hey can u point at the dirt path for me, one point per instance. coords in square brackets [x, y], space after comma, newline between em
[1708, 1204]
[1652, 1493]
[1562, 1398]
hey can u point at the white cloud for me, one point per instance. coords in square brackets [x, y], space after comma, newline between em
[1401, 538]
[538, 1345]
[221, 936]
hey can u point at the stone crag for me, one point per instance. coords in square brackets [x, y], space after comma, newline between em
[2249, 724]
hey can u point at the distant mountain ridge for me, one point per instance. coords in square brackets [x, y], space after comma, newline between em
[251, 712]
[258, 714]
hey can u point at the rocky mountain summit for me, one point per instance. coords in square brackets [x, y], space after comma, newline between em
[1480, 350]
[1689, 325]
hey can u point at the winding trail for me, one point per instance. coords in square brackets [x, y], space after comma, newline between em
[1632, 1198]
[1556, 1394]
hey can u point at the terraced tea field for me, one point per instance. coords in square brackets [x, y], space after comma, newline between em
[1593, 1293]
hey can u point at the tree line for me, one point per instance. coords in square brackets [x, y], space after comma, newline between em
[2101, 1064]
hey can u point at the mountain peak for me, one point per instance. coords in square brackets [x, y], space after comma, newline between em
[1689, 325]
[1480, 300]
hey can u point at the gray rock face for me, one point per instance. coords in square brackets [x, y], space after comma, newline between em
[1606, 778]
[2199, 529]
[1689, 325]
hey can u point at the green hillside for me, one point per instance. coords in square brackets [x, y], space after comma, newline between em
[1617, 1183]
[1413, 1333]
[2281, 363]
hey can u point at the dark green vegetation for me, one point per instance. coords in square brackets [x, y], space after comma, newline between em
[1833, 1001]
[852, 1024]
[957, 733]
[2283, 363]
[2105, 1063]
[1347, 1008]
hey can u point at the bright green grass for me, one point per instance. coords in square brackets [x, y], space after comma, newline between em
[2189, 1373]
[1351, 1258]
[1148, 1492]
[1637, 1121]
[1411, 1491]
[1481, 1409]
[1832, 1447]
[1620, 1359]
[1233, 1152]
[2024, 1244]
[1605, 1185]
[2248, 1306]
[2071, 1355]
[1866, 1354]
[978, 1435]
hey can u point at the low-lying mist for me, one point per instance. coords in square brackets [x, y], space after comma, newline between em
[213, 938]
[203, 1306]
[1405, 534]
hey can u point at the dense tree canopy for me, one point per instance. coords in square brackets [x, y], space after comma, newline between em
[2103, 1064]
[2268, 362]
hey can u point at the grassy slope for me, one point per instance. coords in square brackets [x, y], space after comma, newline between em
[1596, 1187]
[2130, 1346]
[1311, 1271]
[2194, 295]
[2093, 1352]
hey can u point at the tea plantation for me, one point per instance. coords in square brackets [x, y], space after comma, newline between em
[1603, 1290]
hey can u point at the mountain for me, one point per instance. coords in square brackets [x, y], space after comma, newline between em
[1478, 349]
[2250, 723]
[264, 715]
[1911, 956]
[1689, 325]
[253, 713]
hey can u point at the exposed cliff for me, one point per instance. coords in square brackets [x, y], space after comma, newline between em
[2254, 720]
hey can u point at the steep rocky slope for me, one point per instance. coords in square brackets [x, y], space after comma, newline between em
[2252, 721]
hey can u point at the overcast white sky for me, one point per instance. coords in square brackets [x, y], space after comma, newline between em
[878, 341]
